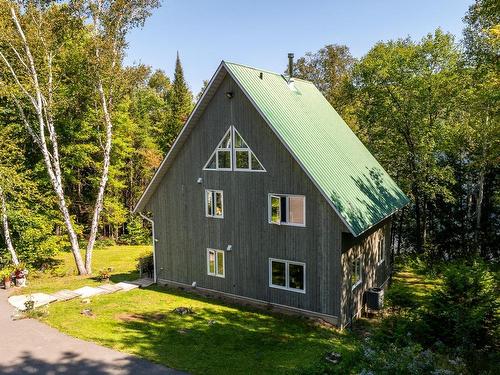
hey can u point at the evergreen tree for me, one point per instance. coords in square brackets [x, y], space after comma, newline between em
[181, 104]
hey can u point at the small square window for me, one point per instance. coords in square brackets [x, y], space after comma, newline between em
[214, 204]
[242, 159]
[224, 159]
[215, 262]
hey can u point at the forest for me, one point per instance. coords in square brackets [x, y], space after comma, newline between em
[82, 133]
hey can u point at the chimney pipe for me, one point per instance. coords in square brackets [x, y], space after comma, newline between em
[290, 65]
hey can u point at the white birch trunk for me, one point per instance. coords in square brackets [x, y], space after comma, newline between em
[104, 179]
[51, 159]
[6, 230]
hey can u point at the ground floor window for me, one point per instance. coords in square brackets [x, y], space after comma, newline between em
[381, 248]
[215, 262]
[356, 272]
[286, 274]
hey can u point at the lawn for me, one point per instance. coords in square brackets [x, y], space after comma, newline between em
[218, 338]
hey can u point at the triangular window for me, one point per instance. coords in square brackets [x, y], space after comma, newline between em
[233, 154]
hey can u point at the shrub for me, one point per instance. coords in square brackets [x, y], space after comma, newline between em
[464, 310]
[145, 264]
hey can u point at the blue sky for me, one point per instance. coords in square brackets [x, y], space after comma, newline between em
[261, 33]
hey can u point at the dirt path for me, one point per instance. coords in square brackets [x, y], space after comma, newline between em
[30, 347]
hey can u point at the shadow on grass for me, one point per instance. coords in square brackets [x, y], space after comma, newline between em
[225, 339]
[76, 363]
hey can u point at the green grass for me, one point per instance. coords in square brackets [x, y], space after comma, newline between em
[122, 259]
[219, 338]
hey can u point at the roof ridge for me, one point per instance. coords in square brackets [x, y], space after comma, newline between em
[266, 71]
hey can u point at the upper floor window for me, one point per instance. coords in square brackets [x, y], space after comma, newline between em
[356, 272]
[214, 203]
[233, 153]
[381, 248]
[285, 209]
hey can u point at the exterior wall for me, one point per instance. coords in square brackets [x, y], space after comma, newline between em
[183, 232]
[373, 274]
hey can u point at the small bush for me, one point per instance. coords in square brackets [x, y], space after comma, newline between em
[105, 274]
[145, 264]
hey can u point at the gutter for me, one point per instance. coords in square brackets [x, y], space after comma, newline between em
[154, 243]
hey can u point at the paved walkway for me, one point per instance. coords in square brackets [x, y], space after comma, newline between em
[30, 347]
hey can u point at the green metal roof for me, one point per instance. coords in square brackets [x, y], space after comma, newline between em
[338, 163]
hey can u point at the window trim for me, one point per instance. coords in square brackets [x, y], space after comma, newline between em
[381, 252]
[232, 151]
[214, 192]
[269, 209]
[216, 252]
[357, 283]
[287, 275]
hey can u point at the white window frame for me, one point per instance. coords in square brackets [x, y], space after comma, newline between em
[381, 253]
[232, 151]
[357, 283]
[287, 196]
[214, 193]
[287, 275]
[216, 253]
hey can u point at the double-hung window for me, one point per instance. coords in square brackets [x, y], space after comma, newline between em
[356, 272]
[286, 274]
[214, 203]
[286, 209]
[215, 262]
[381, 248]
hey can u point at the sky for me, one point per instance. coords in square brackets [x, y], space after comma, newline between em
[261, 33]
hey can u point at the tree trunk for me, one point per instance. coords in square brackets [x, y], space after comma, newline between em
[418, 221]
[6, 230]
[104, 179]
[42, 110]
[400, 230]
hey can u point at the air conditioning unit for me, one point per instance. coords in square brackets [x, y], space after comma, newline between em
[375, 298]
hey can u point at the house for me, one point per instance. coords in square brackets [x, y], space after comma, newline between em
[268, 196]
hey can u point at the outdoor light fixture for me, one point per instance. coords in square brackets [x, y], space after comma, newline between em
[193, 284]
[229, 94]
[229, 247]
[199, 180]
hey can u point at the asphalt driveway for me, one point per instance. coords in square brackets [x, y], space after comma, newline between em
[30, 347]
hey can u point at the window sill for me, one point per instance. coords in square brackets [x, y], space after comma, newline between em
[381, 262]
[288, 289]
[288, 224]
[214, 217]
[214, 275]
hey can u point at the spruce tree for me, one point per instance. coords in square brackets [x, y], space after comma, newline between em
[181, 104]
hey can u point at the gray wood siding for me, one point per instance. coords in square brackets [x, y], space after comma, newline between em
[184, 233]
[373, 274]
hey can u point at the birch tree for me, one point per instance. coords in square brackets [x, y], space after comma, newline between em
[32, 36]
[111, 20]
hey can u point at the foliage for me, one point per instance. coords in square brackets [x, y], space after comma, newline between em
[137, 233]
[105, 274]
[465, 310]
[145, 263]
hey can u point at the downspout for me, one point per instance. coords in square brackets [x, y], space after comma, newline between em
[154, 243]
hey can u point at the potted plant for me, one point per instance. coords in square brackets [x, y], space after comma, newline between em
[20, 273]
[105, 274]
[5, 275]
